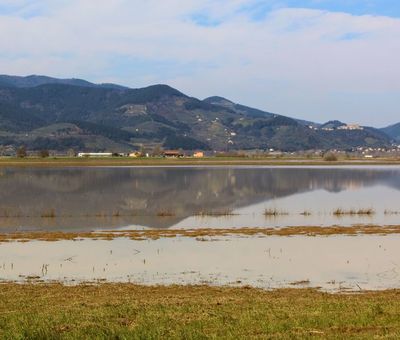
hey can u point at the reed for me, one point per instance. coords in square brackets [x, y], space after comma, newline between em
[353, 212]
[48, 214]
[165, 214]
[227, 212]
[275, 212]
[391, 212]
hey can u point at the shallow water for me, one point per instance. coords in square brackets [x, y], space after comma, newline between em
[71, 199]
[333, 263]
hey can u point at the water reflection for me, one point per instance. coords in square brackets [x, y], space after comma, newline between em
[88, 198]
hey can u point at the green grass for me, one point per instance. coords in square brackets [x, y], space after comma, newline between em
[122, 311]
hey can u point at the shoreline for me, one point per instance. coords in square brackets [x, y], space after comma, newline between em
[133, 311]
[229, 161]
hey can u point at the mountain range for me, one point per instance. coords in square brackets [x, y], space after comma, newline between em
[59, 114]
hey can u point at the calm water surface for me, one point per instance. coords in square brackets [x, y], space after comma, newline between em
[118, 198]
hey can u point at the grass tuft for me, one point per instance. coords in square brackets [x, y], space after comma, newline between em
[165, 213]
[275, 212]
[48, 214]
[351, 212]
[227, 212]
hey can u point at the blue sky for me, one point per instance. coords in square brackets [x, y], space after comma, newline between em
[311, 59]
[355, 7]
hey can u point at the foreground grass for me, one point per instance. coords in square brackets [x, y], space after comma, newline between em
[127, 311]
[222, 161]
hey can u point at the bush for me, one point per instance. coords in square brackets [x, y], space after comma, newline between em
[21, 152]
[44, 153]
[330, 157]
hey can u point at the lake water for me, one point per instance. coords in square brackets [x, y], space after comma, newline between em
[111, 198]
[71, 199]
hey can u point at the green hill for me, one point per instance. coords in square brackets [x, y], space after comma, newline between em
[393, 131]
[43, 112]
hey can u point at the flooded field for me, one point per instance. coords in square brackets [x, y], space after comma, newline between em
[81, 200]
[87, 199]
[334, 263]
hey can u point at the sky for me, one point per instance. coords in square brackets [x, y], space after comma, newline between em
[312, 59]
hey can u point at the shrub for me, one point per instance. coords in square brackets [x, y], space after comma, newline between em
[330, 157]
[21, 152]
[44, 153]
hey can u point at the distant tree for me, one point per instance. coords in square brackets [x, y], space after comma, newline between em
[330, 157]
[157, 151]
[71, 153]
[142, 150]
[21, 152]
[44, 153]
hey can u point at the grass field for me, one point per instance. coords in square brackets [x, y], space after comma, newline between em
[222, 161]
[123, 311]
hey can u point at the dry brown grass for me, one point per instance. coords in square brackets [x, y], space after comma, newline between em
[203, 233]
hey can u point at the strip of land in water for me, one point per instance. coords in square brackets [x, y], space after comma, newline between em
[214, 161]
[193, 312]
[203, 234]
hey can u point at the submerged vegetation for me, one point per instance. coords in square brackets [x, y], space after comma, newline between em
[48, 214]
[391, 212]
[275, 212]
[269, 212]
[122, 311]
[165, 213]
[342, 212]
[215, 213]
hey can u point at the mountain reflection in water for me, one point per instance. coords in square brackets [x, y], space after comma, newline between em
[88, 198]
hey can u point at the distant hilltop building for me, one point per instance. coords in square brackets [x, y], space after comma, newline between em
[350, 127]
[337, 125]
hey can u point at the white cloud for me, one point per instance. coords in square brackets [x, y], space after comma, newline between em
[308, 63]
